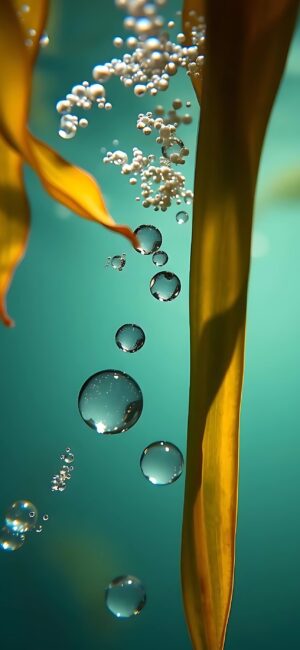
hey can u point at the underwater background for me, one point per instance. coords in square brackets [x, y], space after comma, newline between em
[67, 306]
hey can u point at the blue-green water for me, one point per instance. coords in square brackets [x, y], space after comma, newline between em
[110, 521]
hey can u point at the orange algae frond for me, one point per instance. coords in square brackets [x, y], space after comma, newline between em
[66, 183]
[245, 51]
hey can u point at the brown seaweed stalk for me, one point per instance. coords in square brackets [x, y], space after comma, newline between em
[65, 182]
[246, 48]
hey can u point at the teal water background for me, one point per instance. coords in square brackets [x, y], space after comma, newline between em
[67, 308]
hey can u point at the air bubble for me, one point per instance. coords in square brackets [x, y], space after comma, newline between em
[118, 262]
[165, 286]
[150, 239]
[160, 258]
[130, 338]
[175, 145]
[110, 401]
[44, 40]
[182, 217]
[125, 596]
[10, 541]
[161, 463]
[21, 517]
[68, 131]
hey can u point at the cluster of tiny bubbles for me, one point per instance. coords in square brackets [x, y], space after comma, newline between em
[161, 463]
[182, 217]
[125, 596]
[59, 481]
[172, 116]
[160, 258]
[160, 183]
[165, 286]
[68, 456]
[110, 402]
[117, 262]
[130, 338]
[151, 60]
[43, 41]
[150, 239]
[39, 527]
[20, 518]
[30, 33]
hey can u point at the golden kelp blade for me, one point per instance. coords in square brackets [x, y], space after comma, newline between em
[189, 11]
[246, 48]
[14, 219]
[64, 182]
[14, 208]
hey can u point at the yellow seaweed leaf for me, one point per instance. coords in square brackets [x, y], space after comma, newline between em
[66, 183]
[193, 8]
[246, 48]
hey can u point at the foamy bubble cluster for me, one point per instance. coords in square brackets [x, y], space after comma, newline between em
[160, 183]
[152, 60]
[59, 481]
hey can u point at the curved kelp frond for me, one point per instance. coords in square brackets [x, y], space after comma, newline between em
[245, 52]
[66, 183]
